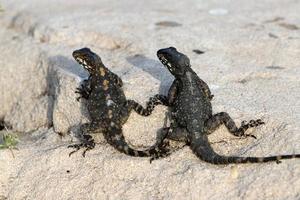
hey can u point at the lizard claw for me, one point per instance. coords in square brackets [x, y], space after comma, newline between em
[162, 153]
[78, 98]
[78, 90]
[157, 156]
[84, 93]
[250, 135]
[88, 144]
[278, 161]
[151, 159]
[77, 146]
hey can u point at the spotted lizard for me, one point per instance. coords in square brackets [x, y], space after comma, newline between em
[108, 107]
[192, 119]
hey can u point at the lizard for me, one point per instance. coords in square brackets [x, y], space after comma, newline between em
[192, 119]
[108, 107]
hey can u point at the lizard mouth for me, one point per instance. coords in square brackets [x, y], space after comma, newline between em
[165, 62]
[83, 63]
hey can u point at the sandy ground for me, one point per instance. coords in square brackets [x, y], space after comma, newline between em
[251, 63]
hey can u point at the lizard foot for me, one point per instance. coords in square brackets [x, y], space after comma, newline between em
[84, 90]
[88, 144]
[82, 93]
[164, 151]
[159, 155]
[254, 123]
[251, 124]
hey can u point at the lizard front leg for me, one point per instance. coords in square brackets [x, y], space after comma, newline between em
[154, 101]
[150, 105]
[84, 90]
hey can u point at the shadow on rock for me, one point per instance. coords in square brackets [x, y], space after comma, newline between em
[69, 66]
[154, 68]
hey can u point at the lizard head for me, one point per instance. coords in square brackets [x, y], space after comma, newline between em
[87, 59]
[176, 62]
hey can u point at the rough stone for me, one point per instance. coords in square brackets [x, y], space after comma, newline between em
[24, 94]
[65, 77]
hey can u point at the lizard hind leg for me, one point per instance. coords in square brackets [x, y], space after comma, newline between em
[223, 118]
[87, 140]
[170, 133]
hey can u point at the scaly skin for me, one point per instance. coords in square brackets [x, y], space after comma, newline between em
[108, 107]
[192, 118]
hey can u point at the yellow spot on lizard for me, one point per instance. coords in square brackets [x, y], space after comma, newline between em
[102, 71]
[105, 84]
[110, 114]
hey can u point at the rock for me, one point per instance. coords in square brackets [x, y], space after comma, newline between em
[65, 77]
[39, 76]
[24, 90]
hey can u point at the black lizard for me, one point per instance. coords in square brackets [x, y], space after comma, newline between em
[191, 113]
[108, 107]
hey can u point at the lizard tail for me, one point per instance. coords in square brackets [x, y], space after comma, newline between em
[116, 138]
[204, 151]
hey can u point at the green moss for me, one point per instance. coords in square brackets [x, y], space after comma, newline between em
[9, 140]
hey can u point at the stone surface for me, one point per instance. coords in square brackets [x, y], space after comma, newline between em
[65, 77]
[24, 95]
[250, 61]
